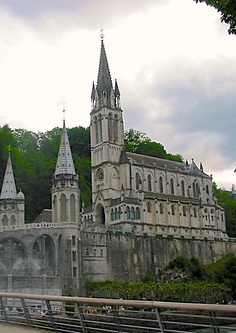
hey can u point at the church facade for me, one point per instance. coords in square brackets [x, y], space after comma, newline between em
[144, 212]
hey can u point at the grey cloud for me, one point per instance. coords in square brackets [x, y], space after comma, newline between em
[190, 108]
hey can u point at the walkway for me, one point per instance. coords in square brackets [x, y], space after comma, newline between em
[8, 328]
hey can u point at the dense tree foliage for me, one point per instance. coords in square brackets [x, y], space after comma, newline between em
[227, 199]
[213, 283]
[189, 281]
[139, 142]
[227, 8]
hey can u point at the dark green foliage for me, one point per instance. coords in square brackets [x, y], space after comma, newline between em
[211, 283]
[227, 8]
[227, 200]
[191, 291]
[192, 266]
[138, 142]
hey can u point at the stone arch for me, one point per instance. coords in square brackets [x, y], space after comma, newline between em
[44, 253]
[100, 214]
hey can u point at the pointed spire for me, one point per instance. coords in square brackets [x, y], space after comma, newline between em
[8, 187]
[117, 91]
[65, 164]
[93, 92]
[104, 82]
[201, 166]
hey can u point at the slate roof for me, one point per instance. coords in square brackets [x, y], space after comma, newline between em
[44, 216]
[8, 186]
[161, 163]
[65, 164]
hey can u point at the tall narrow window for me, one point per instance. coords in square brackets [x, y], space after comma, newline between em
[5, 220]
[172, 190]
[184, 211]
[161, 208]
[128, 212]
[138, 181]
[182, 188]
[110, 127]
[132, 214]
[149, 183]
[115, 128]
[172, 209]
[72, 208]
[161, 185]
[194, 190]
[137, 213]
[63, 208]
[55, 208]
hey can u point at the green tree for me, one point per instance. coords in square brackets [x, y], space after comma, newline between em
[227, 200]
[227, 8]
[133, 138]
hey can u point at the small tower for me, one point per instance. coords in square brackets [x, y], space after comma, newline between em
[12, 205]
[66, 213]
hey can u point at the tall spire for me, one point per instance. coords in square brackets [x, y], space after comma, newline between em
[8, 187]
[65, 164]
[104, 82]
[104, 94]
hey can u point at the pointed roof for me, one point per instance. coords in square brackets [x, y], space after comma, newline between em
[104, 82]
[65, 164]
[9, 186]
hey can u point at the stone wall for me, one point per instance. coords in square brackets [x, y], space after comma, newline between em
[130, 258]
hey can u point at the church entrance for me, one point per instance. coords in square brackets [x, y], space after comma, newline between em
[100, 214]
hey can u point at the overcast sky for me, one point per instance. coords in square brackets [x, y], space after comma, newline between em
[174, 61]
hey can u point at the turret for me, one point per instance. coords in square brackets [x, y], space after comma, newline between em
[66, 213]
[12, 205]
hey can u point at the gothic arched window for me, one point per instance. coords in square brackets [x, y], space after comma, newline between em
[63, 208]
[161, 184]
[72, 208]
[172, 190]
[137, 213]
[149, 183]
[138, 181]
[182, 188]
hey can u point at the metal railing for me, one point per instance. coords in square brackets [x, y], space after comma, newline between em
[93, 315]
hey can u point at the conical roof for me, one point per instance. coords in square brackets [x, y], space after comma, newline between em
[65, 164]
[104, 82]
[9, 186]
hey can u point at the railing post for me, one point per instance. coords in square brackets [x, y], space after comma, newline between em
[117, 320]
[51, 318]
[81, 317]
[3, 309]
[214, 323]
[161, 326]
[26, 312]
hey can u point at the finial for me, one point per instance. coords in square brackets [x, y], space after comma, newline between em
[64, 122]
[9, 148]
[102, 35]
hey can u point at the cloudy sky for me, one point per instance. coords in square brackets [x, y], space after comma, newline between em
[174, 61]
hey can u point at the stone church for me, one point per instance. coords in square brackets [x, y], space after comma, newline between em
[145, 211]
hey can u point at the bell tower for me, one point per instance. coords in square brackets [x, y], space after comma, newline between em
[107, 132]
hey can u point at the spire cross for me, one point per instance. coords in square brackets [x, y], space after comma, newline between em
[102, 35]
[64, 116]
